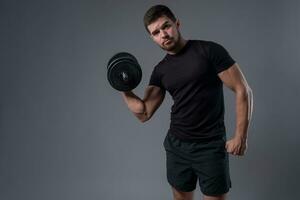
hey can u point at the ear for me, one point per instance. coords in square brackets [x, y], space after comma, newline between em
[177, 23]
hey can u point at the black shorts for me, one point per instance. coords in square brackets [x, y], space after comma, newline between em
[189, 161]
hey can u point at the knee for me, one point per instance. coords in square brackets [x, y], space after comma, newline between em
[216, 197]
[178, 195]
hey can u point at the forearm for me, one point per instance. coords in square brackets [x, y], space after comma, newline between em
[135, 105]
[244, 107]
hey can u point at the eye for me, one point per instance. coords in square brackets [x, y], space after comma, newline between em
[155, 33]
[166, 26]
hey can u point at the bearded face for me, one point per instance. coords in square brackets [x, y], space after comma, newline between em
[165, 33]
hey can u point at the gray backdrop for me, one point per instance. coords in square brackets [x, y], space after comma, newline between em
[66, 134]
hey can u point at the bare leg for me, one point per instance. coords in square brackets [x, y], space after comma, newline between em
[219, 197]
[179, 195]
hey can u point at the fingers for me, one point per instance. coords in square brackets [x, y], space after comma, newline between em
[235, 149]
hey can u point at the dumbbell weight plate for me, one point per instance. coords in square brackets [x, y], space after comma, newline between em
[123, 72]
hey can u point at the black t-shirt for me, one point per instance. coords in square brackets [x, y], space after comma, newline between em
[191, 78]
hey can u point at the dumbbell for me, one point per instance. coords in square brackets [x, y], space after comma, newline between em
[124, 72]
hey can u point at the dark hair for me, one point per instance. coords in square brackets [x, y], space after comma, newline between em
[156, 12]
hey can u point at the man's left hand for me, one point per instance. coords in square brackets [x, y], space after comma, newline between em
[236, 146]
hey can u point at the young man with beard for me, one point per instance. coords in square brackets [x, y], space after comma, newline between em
[193, 72]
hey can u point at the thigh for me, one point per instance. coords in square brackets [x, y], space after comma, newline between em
[213, 169]
[180, 173]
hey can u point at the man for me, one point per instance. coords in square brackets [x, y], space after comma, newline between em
[193, 72]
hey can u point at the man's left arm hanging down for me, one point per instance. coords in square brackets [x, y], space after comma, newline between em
[234, 79]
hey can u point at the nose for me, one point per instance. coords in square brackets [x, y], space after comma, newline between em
[164, 34]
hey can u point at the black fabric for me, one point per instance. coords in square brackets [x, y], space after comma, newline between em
[207, 162]
[191, 78]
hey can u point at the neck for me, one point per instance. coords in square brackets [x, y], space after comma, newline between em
[178, 47]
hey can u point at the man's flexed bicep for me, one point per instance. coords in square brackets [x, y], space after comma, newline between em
[144, 108]
[153, 98]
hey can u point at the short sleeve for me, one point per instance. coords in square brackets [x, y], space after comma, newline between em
[155, 78]
[219, 57]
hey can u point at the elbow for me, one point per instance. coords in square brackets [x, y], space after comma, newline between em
[143, 118]
[248, 89]
[140, 108]
[248, 93]
[142, 114]
[244, 92]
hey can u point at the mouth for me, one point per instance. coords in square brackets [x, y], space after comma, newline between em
[166, 42]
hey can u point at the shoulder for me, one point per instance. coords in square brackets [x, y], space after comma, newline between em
[205, 43]
[203, 46]
[200, 42]
[161, 63]
[211, 48]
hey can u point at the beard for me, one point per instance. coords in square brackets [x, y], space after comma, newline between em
[172, 43]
